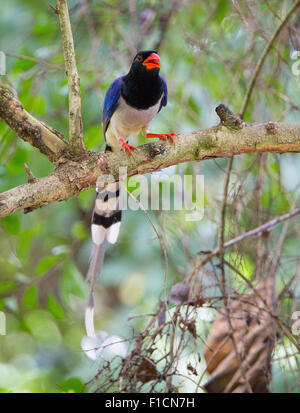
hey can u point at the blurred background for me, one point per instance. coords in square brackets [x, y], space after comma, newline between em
[208, 53]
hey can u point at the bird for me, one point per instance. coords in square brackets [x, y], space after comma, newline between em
[130, 104]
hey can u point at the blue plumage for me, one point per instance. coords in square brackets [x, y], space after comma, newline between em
[111, 101]
[164, 100]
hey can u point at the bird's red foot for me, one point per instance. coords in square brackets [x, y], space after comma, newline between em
[162, 136]
[126, 146]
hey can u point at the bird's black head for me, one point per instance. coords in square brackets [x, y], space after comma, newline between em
[146, 62]
[142, 86]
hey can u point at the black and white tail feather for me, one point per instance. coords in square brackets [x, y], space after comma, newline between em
[105, 228]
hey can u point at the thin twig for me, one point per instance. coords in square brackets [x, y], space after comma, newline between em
[258, 193]
[31, 176]
[263, 58]
[42, 62]
[75, 119]
[268, 226]
[223, 278]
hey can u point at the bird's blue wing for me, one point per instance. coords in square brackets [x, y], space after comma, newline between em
[164, 100]
[111, 102]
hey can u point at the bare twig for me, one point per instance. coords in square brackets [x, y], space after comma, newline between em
[95, 40]
[31, 176]
[75, 119]
[223, 278]
[281, 325]
[268, 226]
[263, 57]
[42, 62]
[258, 192]
[164, 22]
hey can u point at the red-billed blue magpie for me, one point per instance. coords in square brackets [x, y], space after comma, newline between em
[130, 104]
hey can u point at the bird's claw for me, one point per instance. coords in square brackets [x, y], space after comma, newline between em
[163, 136]
[126, 146]
[168, 136]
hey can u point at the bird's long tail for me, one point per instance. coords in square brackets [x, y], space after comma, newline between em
[105, 229]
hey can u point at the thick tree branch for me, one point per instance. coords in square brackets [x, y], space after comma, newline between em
[75, 119]
[50, 142]
[70, 177]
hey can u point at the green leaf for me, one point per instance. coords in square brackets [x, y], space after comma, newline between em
[11, 224]
[40, 29]
[38, 105]
[6, 287]
[72, 385]
[46, 263]
[92, 137]
[193, 105]
[86, 199]
[22, 65]
[15, 165]
[30, 297]
[72, 283]
[25, 241]
[42, 326]
[54, 307]
[79, 231]
[3, 390]
[243, 264]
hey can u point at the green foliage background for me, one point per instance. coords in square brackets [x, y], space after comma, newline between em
[208, 54]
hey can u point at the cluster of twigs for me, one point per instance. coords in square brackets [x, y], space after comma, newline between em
[175, 333]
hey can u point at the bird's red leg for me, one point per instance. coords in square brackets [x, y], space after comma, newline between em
[126, 146]
[162, 136]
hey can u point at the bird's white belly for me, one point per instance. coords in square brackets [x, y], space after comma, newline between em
[127, 120]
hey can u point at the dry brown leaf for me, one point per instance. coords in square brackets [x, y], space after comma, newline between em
[192, 369]
[254, 332]
[146, 370]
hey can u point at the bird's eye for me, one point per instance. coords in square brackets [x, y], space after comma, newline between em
[139, 59]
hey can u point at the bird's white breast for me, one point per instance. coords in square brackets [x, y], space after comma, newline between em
[127, 120]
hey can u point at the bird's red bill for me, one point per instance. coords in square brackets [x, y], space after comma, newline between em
[152, 62]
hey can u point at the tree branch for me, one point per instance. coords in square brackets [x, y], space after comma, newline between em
[75, 119]
[70, 177]
[49, 141]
